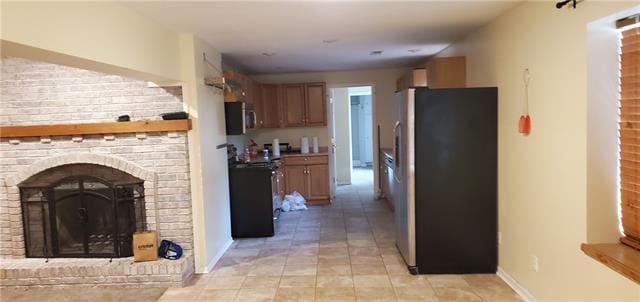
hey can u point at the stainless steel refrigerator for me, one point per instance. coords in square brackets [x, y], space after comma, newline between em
[445, 169]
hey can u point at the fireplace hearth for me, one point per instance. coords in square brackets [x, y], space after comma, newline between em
[75, 185]
[82, 216]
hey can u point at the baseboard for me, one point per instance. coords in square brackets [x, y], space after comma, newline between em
[519, 289]
[217, 257]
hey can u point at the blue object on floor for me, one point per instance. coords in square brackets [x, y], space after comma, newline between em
[170, 250]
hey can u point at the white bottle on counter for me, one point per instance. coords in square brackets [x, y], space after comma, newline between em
[316, 149]
[304, 145]
[275, 148]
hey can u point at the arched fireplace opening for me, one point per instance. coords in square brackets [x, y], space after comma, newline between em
[81, 210]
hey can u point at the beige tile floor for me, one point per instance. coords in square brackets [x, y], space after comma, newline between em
[341, 252]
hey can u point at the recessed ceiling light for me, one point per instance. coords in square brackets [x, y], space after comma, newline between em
[330, 41]
[268, 54]
[375, 53]
[413, 50]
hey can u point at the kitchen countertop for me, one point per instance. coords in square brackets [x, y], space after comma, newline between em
[260, 159]
[323, 151]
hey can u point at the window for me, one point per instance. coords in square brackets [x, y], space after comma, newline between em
[630, 136]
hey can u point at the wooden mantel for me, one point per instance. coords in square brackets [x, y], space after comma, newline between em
[95, 128]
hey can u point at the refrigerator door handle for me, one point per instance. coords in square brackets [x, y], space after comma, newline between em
[396, 150]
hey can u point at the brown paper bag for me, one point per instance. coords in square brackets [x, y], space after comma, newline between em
[145, 246]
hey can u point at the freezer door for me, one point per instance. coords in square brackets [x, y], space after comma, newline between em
[404, 176]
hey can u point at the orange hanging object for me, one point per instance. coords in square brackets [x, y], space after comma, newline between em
[524, 124]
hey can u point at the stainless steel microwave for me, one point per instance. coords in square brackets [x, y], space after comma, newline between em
[239, 117]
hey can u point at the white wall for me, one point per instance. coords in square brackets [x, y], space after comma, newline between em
[543, 177]
[293, 136]
[343, 135]
[210, 187]
[105, 33]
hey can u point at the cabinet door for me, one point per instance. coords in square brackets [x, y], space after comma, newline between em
[318, 182]
[270, 106]
[316, 104]
[293, 105]
[295, 179]
[447, 72]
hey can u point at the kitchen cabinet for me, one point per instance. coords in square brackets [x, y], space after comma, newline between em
[448, 72]
[295, 179]
[279, 105]
[294, 103]
[270, 106]
[304, 105]
[315, 104]
[235, 90]
[318, 182]
[309, 176]
[414, 78]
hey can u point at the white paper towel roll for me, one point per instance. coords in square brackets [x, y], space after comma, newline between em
[275, 147]
[304, 145]
[316, 149]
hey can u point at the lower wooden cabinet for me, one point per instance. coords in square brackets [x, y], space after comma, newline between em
[318, 182]
[309, 176]
[296, 179]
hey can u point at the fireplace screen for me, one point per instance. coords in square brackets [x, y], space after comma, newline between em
[82, 216]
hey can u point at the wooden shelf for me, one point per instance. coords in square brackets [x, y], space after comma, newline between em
[95, 128]
[617, 256]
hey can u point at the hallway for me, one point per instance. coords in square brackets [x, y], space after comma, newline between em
[340, 252]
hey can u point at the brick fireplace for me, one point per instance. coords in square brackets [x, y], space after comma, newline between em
[69, 204]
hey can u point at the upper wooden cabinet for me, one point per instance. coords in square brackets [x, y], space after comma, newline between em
[414, 78]
[293, 105]
[315, 104]
[304, 105]
[279, 105]
[270, 105]
[235, 90]
[450, 72]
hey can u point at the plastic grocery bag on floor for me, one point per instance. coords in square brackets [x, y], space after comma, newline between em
[294, 202]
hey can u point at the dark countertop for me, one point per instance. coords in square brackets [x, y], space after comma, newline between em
[261, 159]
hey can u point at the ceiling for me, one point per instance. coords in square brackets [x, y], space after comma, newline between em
[283, 37]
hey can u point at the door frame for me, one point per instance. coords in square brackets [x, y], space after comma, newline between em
[374, 140]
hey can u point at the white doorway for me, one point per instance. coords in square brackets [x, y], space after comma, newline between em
[352, 134]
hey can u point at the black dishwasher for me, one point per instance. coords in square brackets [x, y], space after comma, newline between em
[255, 202]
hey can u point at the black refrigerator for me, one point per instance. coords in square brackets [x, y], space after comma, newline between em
[445, 169]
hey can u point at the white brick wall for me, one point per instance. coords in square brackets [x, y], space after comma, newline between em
[42, 93]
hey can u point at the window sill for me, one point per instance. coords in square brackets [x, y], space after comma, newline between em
[617, 256]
